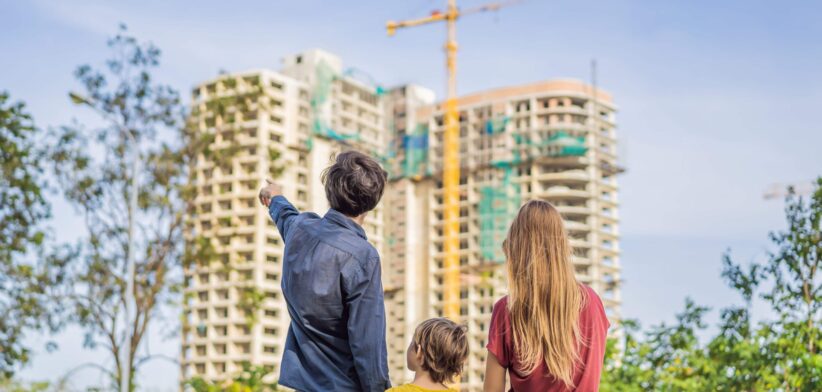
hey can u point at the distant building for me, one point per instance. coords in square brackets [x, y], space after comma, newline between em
[553, 140]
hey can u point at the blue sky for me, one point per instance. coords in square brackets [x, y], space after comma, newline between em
[717, 101]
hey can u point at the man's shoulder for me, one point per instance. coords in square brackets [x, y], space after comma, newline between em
[363, 253]
[359, 248]
[309, 216]
[363, 260]
[343, 243]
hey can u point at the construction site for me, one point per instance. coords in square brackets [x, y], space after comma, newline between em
[552, 140]
[459, 169]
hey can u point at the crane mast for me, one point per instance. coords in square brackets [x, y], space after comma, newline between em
[451, 149]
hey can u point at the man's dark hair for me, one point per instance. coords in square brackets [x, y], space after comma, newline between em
[354, 183]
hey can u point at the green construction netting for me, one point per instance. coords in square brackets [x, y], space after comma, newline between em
[319, 96]
[497, 207]
[559, 144]
[496, 125]
[415, 145]
[499, 203]
[563, 144]
[365, 78]
[387, 160]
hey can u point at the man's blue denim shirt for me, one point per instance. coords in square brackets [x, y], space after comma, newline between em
[333, 289]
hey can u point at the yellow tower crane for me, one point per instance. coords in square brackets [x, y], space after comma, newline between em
[451, 149]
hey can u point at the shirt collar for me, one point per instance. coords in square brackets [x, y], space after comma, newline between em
[344, 221]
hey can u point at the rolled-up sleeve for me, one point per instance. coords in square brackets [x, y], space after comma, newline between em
[282, 212]
[366, 324]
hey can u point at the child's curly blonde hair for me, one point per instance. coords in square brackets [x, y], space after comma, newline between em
[444, 347]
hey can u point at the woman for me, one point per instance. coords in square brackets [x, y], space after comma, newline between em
[549, 332]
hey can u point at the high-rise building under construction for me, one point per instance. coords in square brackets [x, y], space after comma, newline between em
[552, 140]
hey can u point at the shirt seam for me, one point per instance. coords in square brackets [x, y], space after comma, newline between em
[359, 260]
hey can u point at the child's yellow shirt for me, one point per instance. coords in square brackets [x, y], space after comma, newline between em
[413, 388]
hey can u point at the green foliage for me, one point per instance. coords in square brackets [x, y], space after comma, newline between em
[10, 385]
[249, 302]
[251, 379]
[93, 166]
[29, 269]
[774, 355]
[142, 120]
[273, 157]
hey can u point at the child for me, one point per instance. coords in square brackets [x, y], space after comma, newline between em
[436, 355]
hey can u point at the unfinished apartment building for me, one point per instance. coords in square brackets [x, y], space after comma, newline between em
[552, 141]
[283, 125]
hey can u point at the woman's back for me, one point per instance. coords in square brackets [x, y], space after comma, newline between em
[593, 329]
[549, 332]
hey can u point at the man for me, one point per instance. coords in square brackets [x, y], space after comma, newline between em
[331, 283]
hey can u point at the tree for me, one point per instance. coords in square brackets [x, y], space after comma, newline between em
[25, 282]
[138, 118]
[780, 354]
[143, 119]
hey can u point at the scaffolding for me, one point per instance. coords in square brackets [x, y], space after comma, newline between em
[497, 207]
[324, 78]
[496, 125]
[500, 201]
[415, 160]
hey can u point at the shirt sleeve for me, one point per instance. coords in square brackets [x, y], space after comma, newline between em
[366, 324]
[283, 213]
[497, 339]
[595, 330]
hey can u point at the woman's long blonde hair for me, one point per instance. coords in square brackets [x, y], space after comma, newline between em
[544, 297]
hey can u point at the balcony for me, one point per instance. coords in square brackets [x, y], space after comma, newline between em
[609, 218]
[568, 126]
[576, 226]
[609, 185]
[606, 137]
[609, 250]
[609, 267]
[580, 243]
[565, 176]
[607, 154]
[562, 110]
[564, 193]
[573, 210]
[609, 202]
[587, 279]
[581, 260]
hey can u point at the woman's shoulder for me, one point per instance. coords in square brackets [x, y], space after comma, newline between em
[592, 308]
[501, 303]
[589, 292]
[590, 298]
[499, 314]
